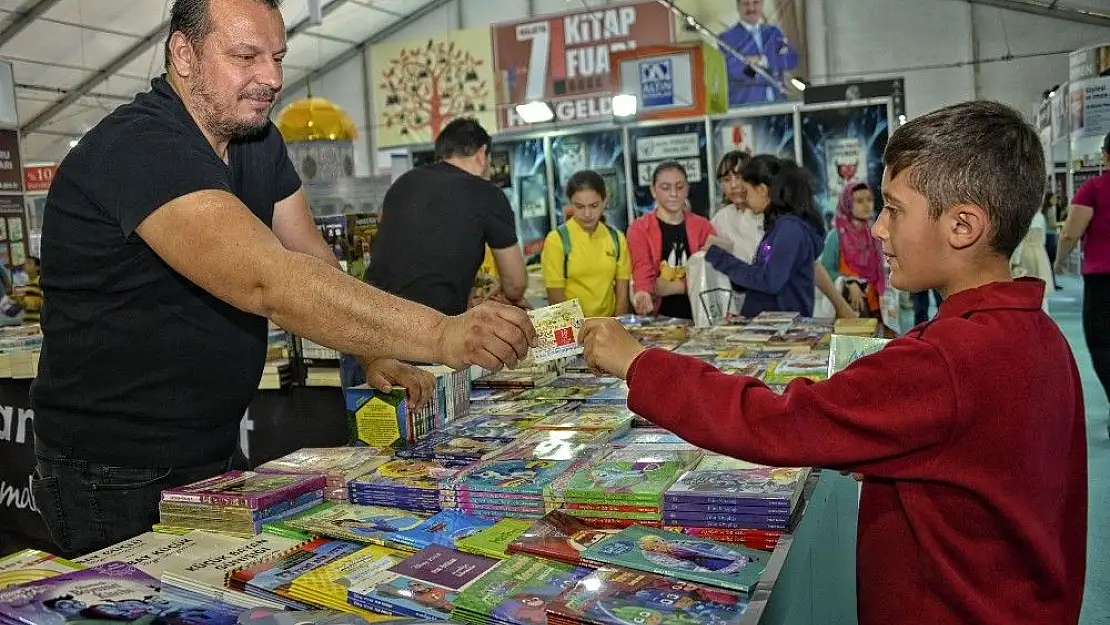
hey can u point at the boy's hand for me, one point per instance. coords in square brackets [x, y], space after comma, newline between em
[385, 373]
[609, 347]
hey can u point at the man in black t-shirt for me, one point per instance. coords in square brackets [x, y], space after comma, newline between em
[172, 231]
[436, 222]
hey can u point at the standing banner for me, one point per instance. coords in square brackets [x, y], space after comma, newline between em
[767, 34]
[420, 86]
[565, 59]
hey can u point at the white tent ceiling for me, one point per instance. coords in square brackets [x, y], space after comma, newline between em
[76, 60]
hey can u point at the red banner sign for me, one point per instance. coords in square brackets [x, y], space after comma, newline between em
[38, 177]
[565, 59]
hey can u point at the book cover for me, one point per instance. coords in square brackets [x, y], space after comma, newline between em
[681, 556]
[442, 529]
[559, 536]
[446, 446]
[210, 573]
[31, 565]
[364, 524]
[338, 463]
[493, 541]
[844, 350]
[444, 567]
[814, 366]
[510, 476]
[245, 489]
[621, 597]
[517, 591]
[153, 553]
[274, 577]
[113, 592]
[557, 329]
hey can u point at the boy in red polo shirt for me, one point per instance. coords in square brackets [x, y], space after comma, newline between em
[969, 431]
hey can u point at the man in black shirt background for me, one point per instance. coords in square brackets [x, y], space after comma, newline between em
[172, 231]
[437, 220]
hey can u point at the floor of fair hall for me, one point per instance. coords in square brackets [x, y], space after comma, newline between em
[1065, 306]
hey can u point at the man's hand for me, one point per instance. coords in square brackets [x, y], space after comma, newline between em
[609, 347]
[385, 373]
[643, 303]
[491, 335]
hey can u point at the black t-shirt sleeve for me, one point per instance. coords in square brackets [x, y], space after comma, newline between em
[286, 180]
[150, 169]
[500, 226]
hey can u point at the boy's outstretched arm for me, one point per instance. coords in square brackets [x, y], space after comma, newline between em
[886, 415]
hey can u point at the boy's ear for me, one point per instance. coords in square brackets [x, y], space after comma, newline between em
[967, 225]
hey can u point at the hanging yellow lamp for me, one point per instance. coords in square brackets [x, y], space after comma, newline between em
[315, 119]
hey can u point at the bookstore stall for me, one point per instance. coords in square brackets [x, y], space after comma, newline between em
[529, 496]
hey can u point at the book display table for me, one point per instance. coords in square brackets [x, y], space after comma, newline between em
[809, 575]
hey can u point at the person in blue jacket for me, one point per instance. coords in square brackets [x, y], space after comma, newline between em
[780, 277]
[761, 44]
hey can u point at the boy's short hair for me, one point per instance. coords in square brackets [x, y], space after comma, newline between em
[980, 153]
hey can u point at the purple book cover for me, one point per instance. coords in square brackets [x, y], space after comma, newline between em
[112, 592]
[246, 489]
[445, 567]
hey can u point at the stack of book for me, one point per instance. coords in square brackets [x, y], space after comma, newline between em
[624, 485]
[337, 464]
[239, 502]
[403, 483]
[494, 541]
[356, 523]
[321, 364]
[110, 592]
[272, 579]
[516, 592]
[444, 529]
[426, 585]
[504, 486]
[326, 586]
[726, 495]
[451, 448]
[206, 578]
[559, 536]
[611, 596]
[688, 558]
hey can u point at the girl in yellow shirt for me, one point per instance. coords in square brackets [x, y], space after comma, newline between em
[586, 258]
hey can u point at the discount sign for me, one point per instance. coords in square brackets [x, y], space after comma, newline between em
[566, 59]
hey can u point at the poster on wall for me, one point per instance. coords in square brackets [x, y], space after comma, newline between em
[772, 134]
[841, 147]
[528, 192]
[682, 143]
[420, 86]
[11, 167]
[1089, 104]
[565, 59]
[763, 44]
[602, 152]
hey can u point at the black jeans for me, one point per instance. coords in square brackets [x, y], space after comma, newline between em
[88, 505]
[1096, 324]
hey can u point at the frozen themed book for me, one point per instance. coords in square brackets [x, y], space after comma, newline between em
[246, 489]
[621, 597]
[684, 557]
[112, 592]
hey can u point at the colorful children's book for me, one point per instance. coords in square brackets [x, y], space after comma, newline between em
[272, 579]
[425, 585]
[621, 597]
[493, 541]
[206, 578]
[113, 592]
[684, 557]
[559, 536]
[337, 464]
[364, 524]
[447, 446]
[31, 565]
[845, 349]
[442, 529]
[245, 489]
[812, 365]
[516, 592]
[327, 586]
[557, 329]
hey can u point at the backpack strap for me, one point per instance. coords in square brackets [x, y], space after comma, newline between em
[564, 235]
[616, 240]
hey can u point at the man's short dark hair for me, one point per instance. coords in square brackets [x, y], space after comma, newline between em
[34, 260]
[980, 153]
[190, 18]
[461, 138]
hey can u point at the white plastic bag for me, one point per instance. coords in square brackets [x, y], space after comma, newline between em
[710, 292]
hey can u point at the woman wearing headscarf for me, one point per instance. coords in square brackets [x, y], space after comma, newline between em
[852, 253]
